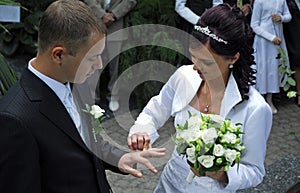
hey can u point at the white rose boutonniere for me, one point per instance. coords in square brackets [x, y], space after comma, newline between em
[97, 116]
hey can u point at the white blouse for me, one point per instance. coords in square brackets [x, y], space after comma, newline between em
[187, 13]
[255, 115]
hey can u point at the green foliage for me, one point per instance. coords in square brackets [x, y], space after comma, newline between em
[151, 12]
[8, 2]
[7, 76]
[19, 38]
[286, 73]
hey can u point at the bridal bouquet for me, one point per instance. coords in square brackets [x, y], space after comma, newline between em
[209, 142]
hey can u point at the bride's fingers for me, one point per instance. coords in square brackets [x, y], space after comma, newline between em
[140, 142]
[147, 144]
[195, 172]
[132, 142]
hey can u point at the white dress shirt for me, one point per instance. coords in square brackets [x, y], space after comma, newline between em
[187, 13]
[298, 3]
[173, 100]
[62, 91]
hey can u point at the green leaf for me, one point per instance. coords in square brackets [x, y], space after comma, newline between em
[292, 133]
[291, 81]
[186, 125]
[9, 48]
[289, 71]
[181, 149]
[281, 69]
[190, 114]
[7, 76]
[291, 94]
[98, 130]
[286, 87]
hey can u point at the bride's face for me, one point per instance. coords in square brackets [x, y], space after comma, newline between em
[208, 64]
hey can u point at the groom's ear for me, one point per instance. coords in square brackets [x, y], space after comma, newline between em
[57, 54]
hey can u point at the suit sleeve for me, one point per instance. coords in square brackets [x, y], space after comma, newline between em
[123, 8]
[108, 153]
[96, 8]
[19, 163]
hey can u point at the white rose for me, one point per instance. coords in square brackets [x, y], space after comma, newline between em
[192, 159]
[217, 118]
[194, 121]
[191, 134]
[218, 150]
[96, 111]
[190, 152]
[230, 155]
[209, 135]
[229, 138]
[206, 160]
[196, 133]
[184, 135]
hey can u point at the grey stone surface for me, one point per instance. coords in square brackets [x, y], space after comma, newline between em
[282, 158]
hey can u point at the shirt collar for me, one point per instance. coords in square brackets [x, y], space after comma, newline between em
[231, 96]
[59, 88]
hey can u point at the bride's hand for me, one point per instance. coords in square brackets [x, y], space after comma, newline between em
[220, 176]
[139, 141]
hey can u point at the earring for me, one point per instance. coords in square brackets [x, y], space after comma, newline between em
[230, 66]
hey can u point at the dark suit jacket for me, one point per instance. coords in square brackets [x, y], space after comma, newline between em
[234, 2]
[41, 150]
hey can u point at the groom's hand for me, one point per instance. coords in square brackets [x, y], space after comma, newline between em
[139, 141]
[128, 160]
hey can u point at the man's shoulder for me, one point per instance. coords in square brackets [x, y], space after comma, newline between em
[12, 99]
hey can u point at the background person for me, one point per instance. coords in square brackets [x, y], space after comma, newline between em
[221, 81]
[190, 12]
[42, 143]
[246, 7]
[291, 34]
[266, 21]
[111, 12]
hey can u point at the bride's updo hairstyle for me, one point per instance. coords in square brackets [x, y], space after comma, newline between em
[227, 32]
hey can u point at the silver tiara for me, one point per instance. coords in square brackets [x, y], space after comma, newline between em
[207, 32]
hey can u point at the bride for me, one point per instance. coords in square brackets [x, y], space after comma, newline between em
[220, 81]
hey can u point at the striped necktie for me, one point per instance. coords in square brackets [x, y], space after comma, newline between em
[72, 110]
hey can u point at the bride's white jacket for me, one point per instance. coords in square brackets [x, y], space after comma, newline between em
[255, 115]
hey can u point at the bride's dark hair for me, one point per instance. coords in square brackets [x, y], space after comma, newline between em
[230, 24]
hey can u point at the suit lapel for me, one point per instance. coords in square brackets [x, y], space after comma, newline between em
[50, 106]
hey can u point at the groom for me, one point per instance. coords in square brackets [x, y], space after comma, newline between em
[43, 143]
